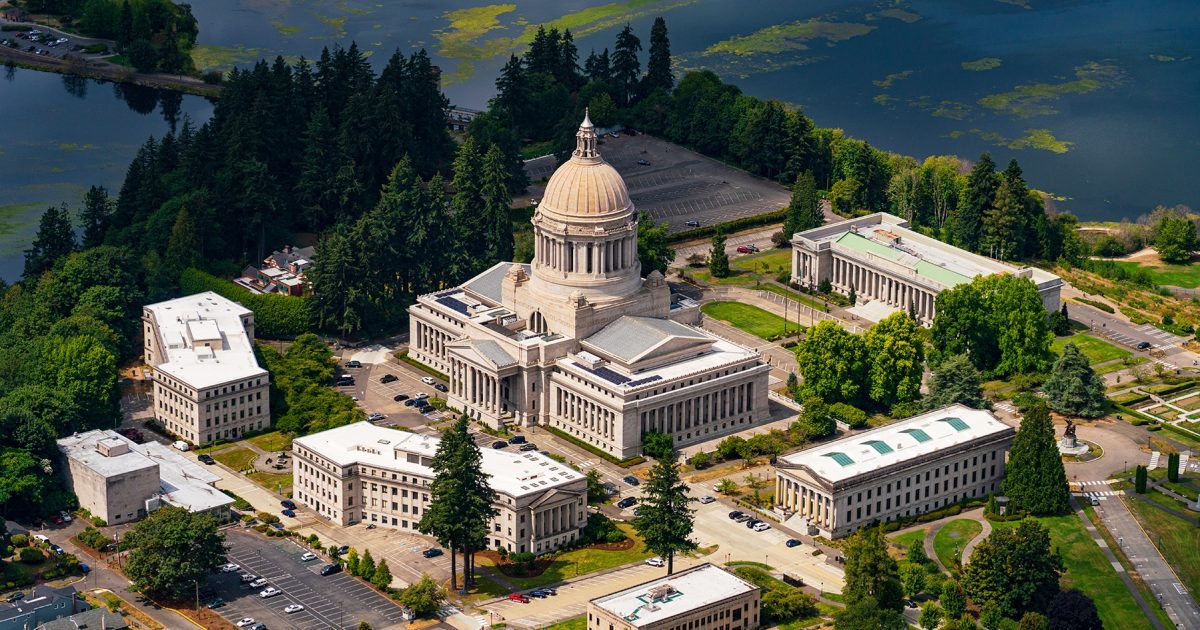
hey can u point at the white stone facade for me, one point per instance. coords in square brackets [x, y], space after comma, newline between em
[369, 474]
[881, 259]
[704, 597]
[207, 383]
[578, 340]
[906, 468]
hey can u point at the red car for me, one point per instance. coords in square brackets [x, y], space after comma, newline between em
[518, 597]
[746, 249]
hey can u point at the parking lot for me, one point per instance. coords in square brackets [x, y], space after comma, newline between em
[375, 396]
[40, 42]
[680, 185]
[334, 601]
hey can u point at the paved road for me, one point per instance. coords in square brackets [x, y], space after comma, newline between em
[1149, 563]
[1130, 335]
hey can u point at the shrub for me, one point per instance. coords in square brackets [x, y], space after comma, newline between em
[214, 77]
[93, 538]
[851, 415]
[19, 540]
[729, 226]
[32, 555]
[267, 517]
[524, 559]
[275, 316]
[99, 522]
[702, 459]
[601, 529]
[1100, 305]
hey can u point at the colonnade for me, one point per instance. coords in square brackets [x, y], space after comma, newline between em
[431, 340]
[878, 286]
[593, 257]
[558, 519]
[809, 503]
[480, 389]
[594, 419]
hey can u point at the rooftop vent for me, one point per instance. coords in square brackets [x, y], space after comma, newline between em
[661, 593]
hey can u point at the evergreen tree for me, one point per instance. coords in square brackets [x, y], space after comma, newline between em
[626, 68]
[1002, 227]
[931, 616]
[1073, 387]
[1173, 467]
[990, 578]
[514, 94]
[977, 198]
[382, 576]
[468, 211]
[1071, 610]
[1139, 480]
[496, 202]
[566, 68]
[658, 68]
[1175, 239]
[804, 211]
[125, 25]
[852, 296]
[718, 260]
[666, 520]
[916, 553]
[597, 67]
[1034, 479]
[337, 302]
[183, 248]
[366, 565]
[95, 216]
[55, 238]
[871, 574]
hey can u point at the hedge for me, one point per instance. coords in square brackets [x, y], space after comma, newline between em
[729, 226]
[1135, 417]
[1181, 431]
[275, 316]
[403, 356]
[1131, 398]
[1170, 388]
[624, 463]
[851, 415]
[1093, 303]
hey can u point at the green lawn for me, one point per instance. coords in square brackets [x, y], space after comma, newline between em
[238, 459]
[1187, 276]
[959, 531]
[1114, 366]
[275, 482]
[774, 259]
[1175, 538]
[1090, 571]
[735, 277]
[574, 623]
[906, 539]
[807, 300]
[584, 561]
[1096, 350]
[272, 442]
[749, 318]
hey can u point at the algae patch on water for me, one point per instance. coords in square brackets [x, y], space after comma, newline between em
[338, 24]
[1169, 58]
[953, 110]
[284, 29]
[793, 36]
[1042, 139]
[908, 17]
[210, 57]
[982, 65]
[887, 81]
[468, 25]
[1029, 100]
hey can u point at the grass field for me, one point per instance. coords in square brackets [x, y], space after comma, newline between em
[1175, 538]
[574, 623]
[1096, 350]
[774, 259]
[906, 539]
[238, 459]
[584, 561]
[957, 532]
[1114, 366]
[275, 482]
[736, 277]
[749, 318]
[1187, 276]
[273, 441]
[1089, 571]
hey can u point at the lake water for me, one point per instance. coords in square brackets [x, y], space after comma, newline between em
[1096, 99]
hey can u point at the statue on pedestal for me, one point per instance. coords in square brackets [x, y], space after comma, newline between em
[1069, 434]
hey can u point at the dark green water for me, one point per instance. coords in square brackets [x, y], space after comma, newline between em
[1096, 99]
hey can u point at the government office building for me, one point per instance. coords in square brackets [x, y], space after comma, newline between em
[362, 473]
[884, 261]
[207, 383]
[704, 597]
[578, 340]
[903, 469]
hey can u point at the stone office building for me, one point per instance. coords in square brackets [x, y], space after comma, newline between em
[903, 469]
[704, 597]
[361, 473]
[578, 339]
[883, 261]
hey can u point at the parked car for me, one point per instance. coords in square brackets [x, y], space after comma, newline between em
[343, 550]
[84, 568]
[432, 552]
[761, 527]
[215, 602]
[549, 590]
[246, 622]
[353, 364]
[631, 480]
[288, 503]
[751, 522]
[400, 397]
[288, 513]
[229, 568]
[499, 444]
[421, 396]
[408, 402]
[389, 378]
[706, 499]
[330, 569]
[247, 577]
[440, 387]
[747, 249]
[259, 626]
[1145, 345]
[428, 380]
[259, 583]
[626, 502]
[792, 542]
[655, 561]
[307, 556]
[269, 592]
[518, 597]
[376, 417]
[344, 382]
[643, 163]
[56, 519]
[41, 538]
[692, 223]
[528, 447]
[58, 551]
[181, 446]
[538, 593]
[293, 608]
[742, 518]
[207, 459]
[516, 439]
[14, 597]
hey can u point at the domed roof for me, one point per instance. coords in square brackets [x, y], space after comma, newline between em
[585, 185]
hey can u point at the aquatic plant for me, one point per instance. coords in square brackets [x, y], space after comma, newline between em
[1025, 101]
[982, 65]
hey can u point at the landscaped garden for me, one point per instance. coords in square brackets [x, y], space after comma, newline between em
[749, 318]
[556, 567]
[1096, 350]
[238, 459]
[1186, 276]
[952, 537]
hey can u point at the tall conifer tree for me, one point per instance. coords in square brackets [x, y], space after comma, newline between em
[1034, 478]
[666, 520]
[626, 68]
[977, 198]
[658, 68]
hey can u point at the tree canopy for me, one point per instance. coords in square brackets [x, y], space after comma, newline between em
[833, 362]
[955, 380]
[1073, 387]
[172, 549]
[998, 321]
[1034, 479]
[991, 581]
[666, 520]
[871, 574]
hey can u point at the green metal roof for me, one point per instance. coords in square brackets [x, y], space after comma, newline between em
[841, 458]
[917, 434]
[941, 274]
[860, 243]
[957, 423]
[880, 447]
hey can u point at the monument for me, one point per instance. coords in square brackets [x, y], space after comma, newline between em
[1069, 444]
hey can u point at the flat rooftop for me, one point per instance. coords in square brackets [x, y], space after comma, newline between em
[204, 341]
[689, 589]
[887, 237]
[83, 448]
[939, 430]
[719, 353]
[512, 472]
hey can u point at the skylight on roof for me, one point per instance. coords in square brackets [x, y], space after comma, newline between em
[957, 423]
[841, 458]
[917, 434]
[880, 447]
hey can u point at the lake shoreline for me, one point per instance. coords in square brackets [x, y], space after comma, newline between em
[109, 72]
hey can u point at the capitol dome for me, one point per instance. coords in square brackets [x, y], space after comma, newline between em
[585, 185]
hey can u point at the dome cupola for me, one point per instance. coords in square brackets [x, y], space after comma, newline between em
[585, 186]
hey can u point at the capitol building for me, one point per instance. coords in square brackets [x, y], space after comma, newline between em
[578, 340]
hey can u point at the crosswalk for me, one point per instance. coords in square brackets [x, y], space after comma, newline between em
[1096, 482]
[1164, 337]
[1003, 406]
[1154, 457]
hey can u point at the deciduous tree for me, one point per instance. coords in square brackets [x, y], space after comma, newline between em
[425, 597]
[931, 616]
[871, 574]
[1034, 479]
[172, 549]
[896, 349]
[815, 421]
[1072, 610]
[1175, 239]
[654, 250]
[990, 578]
[833, 363]
[953, 599]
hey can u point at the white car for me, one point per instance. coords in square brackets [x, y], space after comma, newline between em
[293, 608]
[655, 561]
[428, 380]
[229, 568]
[421, 396]
[308, 555]
[246, 622]
[258, 583]
[270, 591]
[761, 527]
[66, 516]
[706, 500]
[41, 538]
